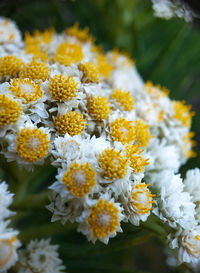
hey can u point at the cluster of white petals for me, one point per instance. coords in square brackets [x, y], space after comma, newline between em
[115, 140]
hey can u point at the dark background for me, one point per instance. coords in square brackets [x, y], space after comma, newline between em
[166, 52]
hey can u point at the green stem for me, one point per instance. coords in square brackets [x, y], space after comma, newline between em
[50, 229]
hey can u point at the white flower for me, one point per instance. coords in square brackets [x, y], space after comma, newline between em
[9, 32]
[41, 257]
[138, 203]
[101, 220]
[6, 199]
[174, 206]
[167, 9]
[192, 184]
[8, 246]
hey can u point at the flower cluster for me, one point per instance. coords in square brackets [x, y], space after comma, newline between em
[110, 135]
[8, 237]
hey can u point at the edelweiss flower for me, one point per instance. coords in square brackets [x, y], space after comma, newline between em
[41, 257]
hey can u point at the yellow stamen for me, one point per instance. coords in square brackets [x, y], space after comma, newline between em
[98, 107]
[104, 67]
[35, 71]
[182, 112]
[27, 89]
[68, 53]
[113, 163]
[10, 110]
[32, 144]
[10, 66]
[122, 130]
[90, 72]
[72, 123]
[103, 219]
[124, 98]
[79, 179]
[188, 144]
[81, 34]
[137, 162]
[141, 198]
[63, 88]
[142, 133]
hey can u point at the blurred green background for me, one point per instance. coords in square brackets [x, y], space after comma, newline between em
[166, 52]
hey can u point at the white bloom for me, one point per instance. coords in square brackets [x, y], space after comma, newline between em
[8, 246]
[9, 32]
[6, 199]
[192, 184]
[101, 220]
[167, 9]
[41, 257]
[174, 205]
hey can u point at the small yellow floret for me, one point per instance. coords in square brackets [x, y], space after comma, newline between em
[90, 72]
[113, 163]
[32, 144]
[137, 162]
[142, 133]
[127, 60]
[10, 110]
[79, 179]
[26, 89]
[141, 198]
[124, 98]
[188, 144]
[103, 219]
[104, 67]
[98, 107]
[156, 92]
[122, 130]
[35, 71]
[36, 52]
[38, 37]
[68, 54]
[72, 123]
[10, 66]
[81, 34]
[63, 88]
[182, 112]
[6, 250]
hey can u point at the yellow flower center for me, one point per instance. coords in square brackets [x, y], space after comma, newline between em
[90, 72]
[113, 163]
[79, 179]
[156, 92]
[137, 162]
[72, 123]
[188, 144]
[141, 198]
[35, 71]
[36, 52]
[81, 34]
[98, 107]
[27, 89]
[104, 67]
[68, 54]
[182, 112]
[6, 251]
[10, 110]
[103, 219]
[193, 245]
[62, 88]
[39, 37]
[124, 98]
[10, 66]
[122, 130]
[142, 133]
[32, 144]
